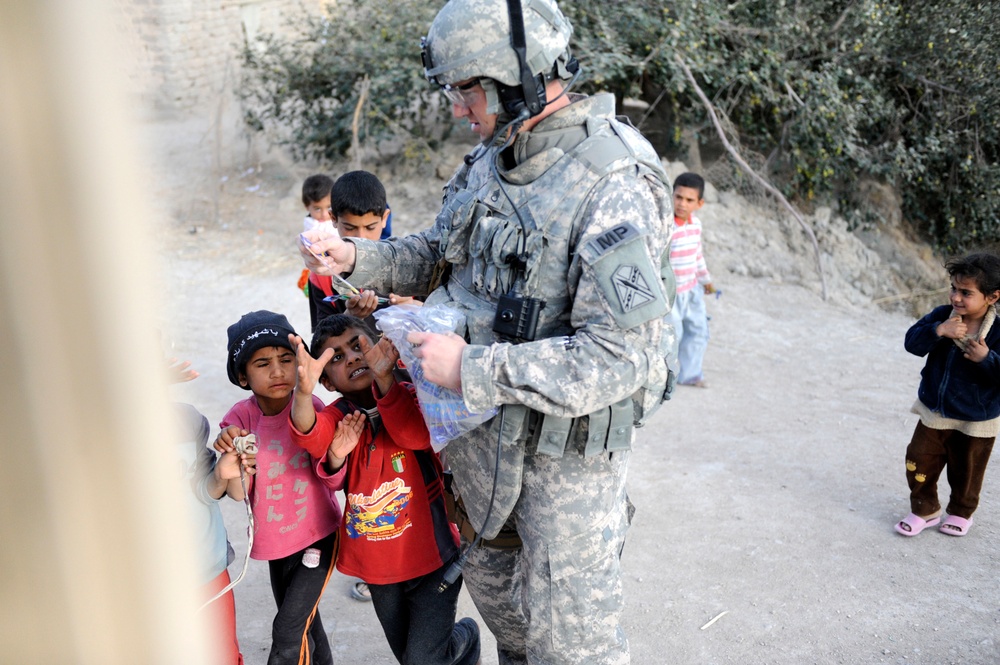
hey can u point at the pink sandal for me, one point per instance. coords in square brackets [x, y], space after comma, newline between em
[913, 524]
[954, 525]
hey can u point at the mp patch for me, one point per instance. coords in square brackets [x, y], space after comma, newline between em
[625, 275]
[610, 239]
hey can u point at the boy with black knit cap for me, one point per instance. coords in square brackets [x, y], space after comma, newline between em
[295, 512]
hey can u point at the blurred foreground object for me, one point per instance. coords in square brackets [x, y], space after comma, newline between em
[95, 553]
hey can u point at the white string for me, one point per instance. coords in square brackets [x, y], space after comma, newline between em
[243, 444]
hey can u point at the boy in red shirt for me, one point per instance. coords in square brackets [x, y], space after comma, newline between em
[396, 534]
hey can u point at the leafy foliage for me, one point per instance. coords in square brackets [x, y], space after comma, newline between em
[832, 92]
[944, 69]
[304, 90]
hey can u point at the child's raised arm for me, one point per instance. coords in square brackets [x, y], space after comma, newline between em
[363, 304]
[308, 373]
[180, 372]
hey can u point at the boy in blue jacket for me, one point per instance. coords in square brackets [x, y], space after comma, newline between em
[959, 397]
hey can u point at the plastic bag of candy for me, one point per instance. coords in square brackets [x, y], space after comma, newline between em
[444, 409]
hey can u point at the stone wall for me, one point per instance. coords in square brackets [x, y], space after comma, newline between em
[186, 53]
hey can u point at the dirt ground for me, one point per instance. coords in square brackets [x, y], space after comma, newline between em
[765, 502]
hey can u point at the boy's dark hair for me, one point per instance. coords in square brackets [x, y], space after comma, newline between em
[336, 324]
[982, 267]
[358, 193]
[316, 188]
[692, 180]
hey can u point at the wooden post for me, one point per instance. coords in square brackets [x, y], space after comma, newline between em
[96, 554]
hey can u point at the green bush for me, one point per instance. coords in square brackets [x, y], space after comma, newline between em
[945, 63]
[303, 91]
[830, 92]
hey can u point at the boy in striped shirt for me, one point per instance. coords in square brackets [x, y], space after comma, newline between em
[688, 317]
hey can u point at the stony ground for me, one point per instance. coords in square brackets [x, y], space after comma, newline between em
[765, 502]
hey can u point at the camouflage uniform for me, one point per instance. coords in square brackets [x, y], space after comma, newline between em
[596, 213]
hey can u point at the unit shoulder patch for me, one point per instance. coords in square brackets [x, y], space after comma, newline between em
[625, 275]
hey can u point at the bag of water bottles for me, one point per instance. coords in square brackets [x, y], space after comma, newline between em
[444, 409]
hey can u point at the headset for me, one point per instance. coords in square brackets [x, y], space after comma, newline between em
[530, 95]
[527, 99]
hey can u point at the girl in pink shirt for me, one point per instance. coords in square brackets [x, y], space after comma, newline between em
[296, 514]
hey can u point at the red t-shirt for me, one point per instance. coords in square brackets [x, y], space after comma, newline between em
[395, 527]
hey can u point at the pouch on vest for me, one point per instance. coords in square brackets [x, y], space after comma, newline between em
[473, 458]
[455, 220]
[620, 429]
[553, 435]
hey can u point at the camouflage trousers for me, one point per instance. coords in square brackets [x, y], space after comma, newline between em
[558, 599]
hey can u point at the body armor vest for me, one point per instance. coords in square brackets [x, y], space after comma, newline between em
[494, 252]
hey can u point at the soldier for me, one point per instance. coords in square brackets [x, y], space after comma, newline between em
[552, 233]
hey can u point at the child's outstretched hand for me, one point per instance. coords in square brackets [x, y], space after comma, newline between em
[309, 369]
[180, 372]
[363, 304]
[976, 350]
[953, 328]
[345, 439]
[404, 300]
[381, 358]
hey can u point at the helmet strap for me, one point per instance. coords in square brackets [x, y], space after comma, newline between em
[528, 98]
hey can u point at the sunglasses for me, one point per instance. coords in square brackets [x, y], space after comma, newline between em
[462, 95]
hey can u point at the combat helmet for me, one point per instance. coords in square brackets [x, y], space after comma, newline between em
[472, 39]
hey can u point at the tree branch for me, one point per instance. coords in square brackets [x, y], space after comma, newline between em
[753, 174]
[840, 21]
[934, 84]
[355, 121]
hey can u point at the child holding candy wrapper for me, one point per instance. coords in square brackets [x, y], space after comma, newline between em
[296, 513]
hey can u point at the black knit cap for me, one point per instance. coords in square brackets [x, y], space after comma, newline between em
[253, 331]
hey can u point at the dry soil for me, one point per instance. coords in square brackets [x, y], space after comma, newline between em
[765, 502]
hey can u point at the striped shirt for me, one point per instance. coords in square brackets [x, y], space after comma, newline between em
[686, 257]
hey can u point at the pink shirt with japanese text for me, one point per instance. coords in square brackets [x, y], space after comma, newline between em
[292, 507]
